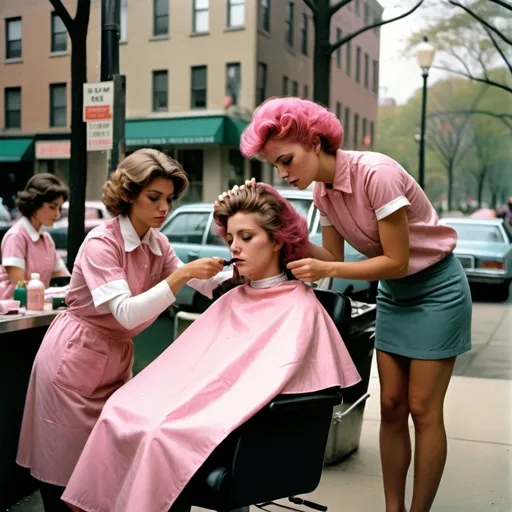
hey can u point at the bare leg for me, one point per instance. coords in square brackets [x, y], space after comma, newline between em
[395, 443]
[427, 388]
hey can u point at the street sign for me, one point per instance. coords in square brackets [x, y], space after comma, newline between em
[98, 114]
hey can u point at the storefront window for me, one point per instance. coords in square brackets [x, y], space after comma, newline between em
[192, 161]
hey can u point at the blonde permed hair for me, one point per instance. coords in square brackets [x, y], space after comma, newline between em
[136, 172]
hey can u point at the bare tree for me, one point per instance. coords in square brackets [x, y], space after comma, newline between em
[323, 11]
[77, 28]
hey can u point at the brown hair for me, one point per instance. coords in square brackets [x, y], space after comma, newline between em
[136, 172]
[41, 188]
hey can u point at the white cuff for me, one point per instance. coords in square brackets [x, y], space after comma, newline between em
[108, 291]
[391, 207]
[206, 286]
[13, 262]
[325, 221]
[60, 265]
[131, 312]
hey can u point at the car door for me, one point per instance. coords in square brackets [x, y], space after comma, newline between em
[186, 232]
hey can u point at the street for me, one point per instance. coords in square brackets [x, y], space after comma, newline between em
[478, 412]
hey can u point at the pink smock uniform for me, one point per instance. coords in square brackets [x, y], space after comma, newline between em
[32, 251]
[367, 188]
[87, 354]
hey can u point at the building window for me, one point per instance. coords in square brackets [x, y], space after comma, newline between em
[123, 32]
[376, 19]
[59, 34]
[201, 16]
[160, 17]
[265, 15]
[233, 82]
[358, 64]
[304, 34]
[348, 67]
[346, 127]
[285, 85]
[375, 77]
[58, 111]
[356, 132]
[358, 7]
[160, 91]
[261, 83]
[372, 130]
[13, 38]
[366, 14]
[364, 131]
[295, 88]
[198, 91]
[289, 24]
[305, 94]
[235, 168]
[339, 34]
[236, 13]
[338, 110]
[366, 71]
[12, 102]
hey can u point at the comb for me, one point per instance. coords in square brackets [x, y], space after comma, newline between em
[227, 263]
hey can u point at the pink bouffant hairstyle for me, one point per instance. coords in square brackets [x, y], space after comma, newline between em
[291, 119]
[275, 214]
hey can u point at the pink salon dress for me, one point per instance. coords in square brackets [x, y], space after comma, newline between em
[116, 291]
[426, 314]
[32, 251]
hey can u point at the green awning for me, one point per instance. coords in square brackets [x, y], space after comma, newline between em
[15, 150]
[184, 131]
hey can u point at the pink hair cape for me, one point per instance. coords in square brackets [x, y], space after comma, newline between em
[157, 430]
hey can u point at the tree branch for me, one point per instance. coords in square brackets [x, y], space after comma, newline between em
[500, 51]
[63, 14]
[381, 23]
[503, 3]
[481, 20]
[474, 78]
[336, 7]
[311, 5]
[501, 117]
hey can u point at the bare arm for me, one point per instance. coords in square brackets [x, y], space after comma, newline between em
[15, 274]
[61, 272]
[394, 263]
[333, 246]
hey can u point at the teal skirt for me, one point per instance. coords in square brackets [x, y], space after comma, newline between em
[426, 315]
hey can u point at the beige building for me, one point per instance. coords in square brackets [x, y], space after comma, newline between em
[181, 59]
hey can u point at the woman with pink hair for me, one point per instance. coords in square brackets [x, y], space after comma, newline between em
[424, 303]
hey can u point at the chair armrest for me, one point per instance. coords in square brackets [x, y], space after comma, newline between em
[325, 398]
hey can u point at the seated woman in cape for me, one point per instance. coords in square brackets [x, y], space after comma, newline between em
[258, 340]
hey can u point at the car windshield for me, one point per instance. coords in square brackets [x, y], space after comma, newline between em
[478, 233]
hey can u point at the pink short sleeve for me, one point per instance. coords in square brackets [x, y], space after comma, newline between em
[102, 269]
[14, 250]
[385, 188]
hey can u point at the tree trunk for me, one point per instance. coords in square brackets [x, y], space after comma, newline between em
[450, 188]
[78, 163]
[481, 183]
[322, 54]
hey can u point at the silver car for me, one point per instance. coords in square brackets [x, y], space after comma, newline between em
[484, 247]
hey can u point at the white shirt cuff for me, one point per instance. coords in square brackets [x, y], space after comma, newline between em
[391, 207]
[131, 312]
[108, 291]
[13, 262]
[206, 286]
[325, 221]
[60, 265]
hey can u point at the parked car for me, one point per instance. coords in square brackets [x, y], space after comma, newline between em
[190, 230]
[484, 248]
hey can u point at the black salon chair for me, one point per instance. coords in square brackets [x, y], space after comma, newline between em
[279, 452]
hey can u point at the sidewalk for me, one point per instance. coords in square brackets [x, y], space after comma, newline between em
[478, 474]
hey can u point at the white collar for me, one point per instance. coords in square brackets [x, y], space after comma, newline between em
[268, 282]
[30, 229]
[132, 240]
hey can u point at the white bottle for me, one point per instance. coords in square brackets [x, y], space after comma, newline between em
[35, 293]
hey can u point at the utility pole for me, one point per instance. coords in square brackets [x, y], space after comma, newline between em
[110, 35]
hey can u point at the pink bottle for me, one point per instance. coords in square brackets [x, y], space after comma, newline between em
[35, 293]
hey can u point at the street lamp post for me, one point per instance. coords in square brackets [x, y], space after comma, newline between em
[425, 56]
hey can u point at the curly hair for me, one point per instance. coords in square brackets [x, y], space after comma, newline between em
[136, 172]
[275, 214]
[41, 188]
[292, 119]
